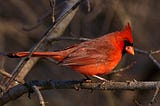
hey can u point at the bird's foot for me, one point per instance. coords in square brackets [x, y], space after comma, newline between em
[86, 80]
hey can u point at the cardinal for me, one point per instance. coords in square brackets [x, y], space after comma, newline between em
[95, 57]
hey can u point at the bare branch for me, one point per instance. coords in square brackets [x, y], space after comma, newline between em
[36, 90]
[155, 52]
[68, 38]
[154, 97]
[40, 20]
[88, 5]
[123, 69]
[149, 54]
[19, 90]
[53, 4]
[4, 73]
[154, 61]
[137, 103]
[141, 51]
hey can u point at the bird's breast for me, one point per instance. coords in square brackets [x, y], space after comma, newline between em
[99, 68]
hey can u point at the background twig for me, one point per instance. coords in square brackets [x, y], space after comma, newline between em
[40, 97]
[149, 54]
[154, 97]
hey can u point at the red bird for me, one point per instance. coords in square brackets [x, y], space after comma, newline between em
[94, 57]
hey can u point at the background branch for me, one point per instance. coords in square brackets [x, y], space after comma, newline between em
[40, 97]
[154, 97]
[149, 54]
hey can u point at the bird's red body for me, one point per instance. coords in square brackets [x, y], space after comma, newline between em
[94, 57]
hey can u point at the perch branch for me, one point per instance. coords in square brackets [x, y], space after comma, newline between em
[17, 91]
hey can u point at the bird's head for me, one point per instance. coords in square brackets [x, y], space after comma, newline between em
[126, 35]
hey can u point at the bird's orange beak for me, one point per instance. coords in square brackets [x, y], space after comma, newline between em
[130, 50]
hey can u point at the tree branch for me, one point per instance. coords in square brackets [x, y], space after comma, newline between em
[19, 90]
[149, 54]
[154, 97]
[41, 100]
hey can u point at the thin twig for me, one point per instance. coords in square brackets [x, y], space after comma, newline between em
[69, 38]
[155, 52]
[8, 75]
[4, 73]
[40, 20]
[40, 97]
[53, 4]
[124, 68]
[154, 61]
[88, 5]
[5, 76]
[149, 54]
[137, 103]
[141, 51]
[154, 97]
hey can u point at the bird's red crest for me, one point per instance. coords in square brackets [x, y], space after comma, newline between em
[127, 33]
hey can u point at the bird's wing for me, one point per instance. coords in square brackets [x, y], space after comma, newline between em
[85, 56]
[80, 60]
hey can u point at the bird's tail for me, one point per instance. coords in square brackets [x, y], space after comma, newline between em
[34, 54]
[55, 55]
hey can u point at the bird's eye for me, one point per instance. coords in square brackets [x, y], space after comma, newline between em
[128, 47]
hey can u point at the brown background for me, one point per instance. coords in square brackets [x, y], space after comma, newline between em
[105, 16]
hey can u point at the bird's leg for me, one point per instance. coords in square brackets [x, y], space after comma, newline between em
[86, 79]
[100, 78]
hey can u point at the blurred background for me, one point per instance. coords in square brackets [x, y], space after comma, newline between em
[104, 17]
